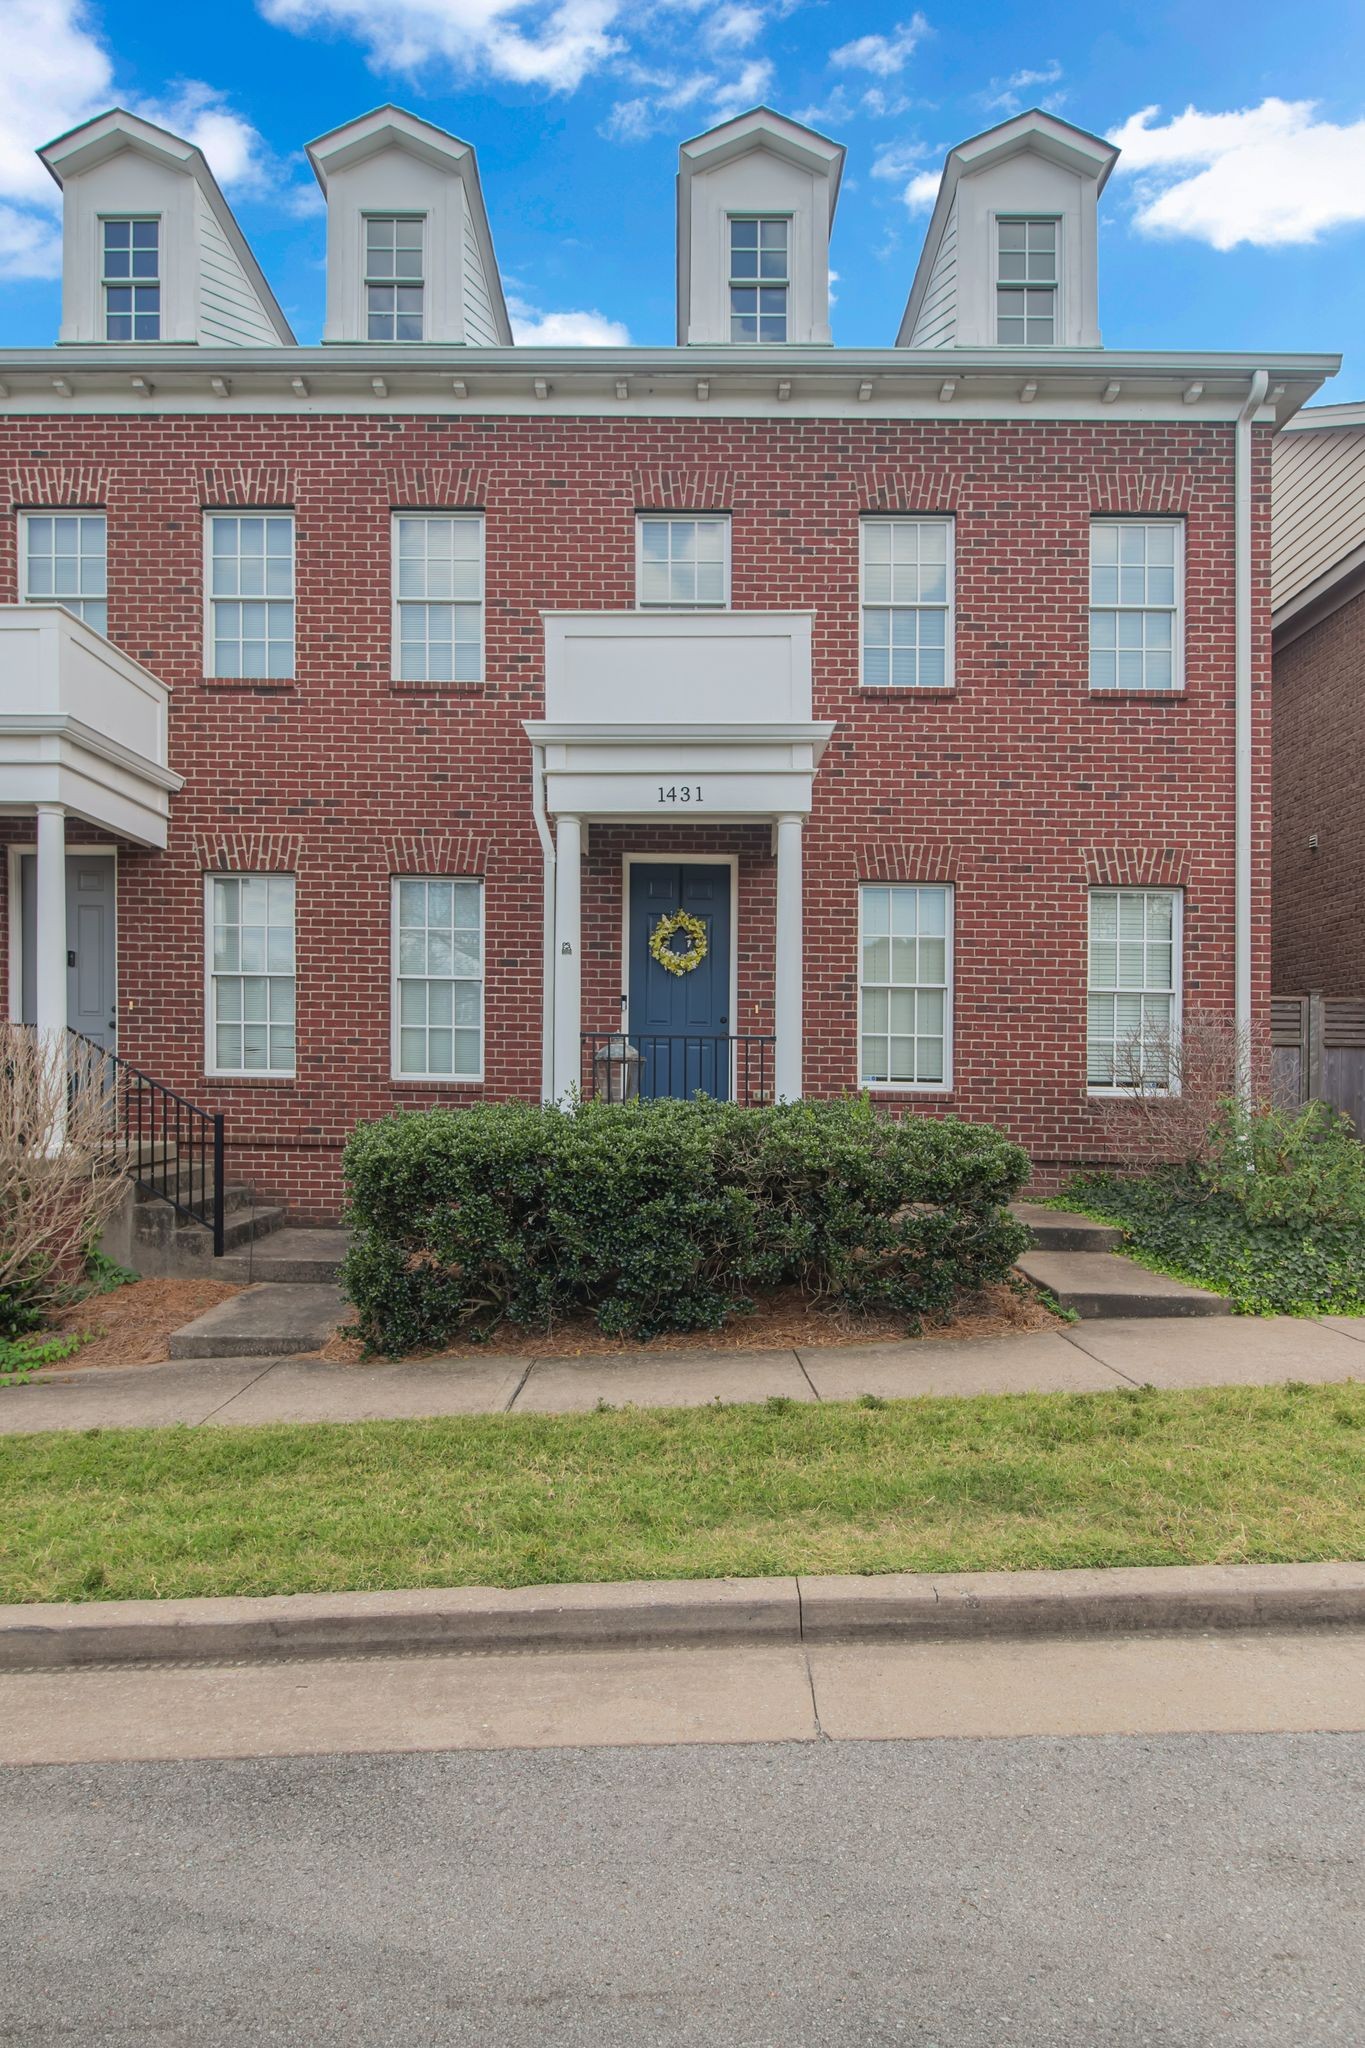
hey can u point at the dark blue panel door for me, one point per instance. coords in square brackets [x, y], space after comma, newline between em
[680, 1023]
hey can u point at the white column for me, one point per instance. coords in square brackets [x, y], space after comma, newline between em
[50, 947]
[568, 949]
[787, 979]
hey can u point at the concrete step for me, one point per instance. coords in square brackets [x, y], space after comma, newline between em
[1095, 1284]
[290, 1257]
[1058, 1230]
[262, 1322]
[191, 1187]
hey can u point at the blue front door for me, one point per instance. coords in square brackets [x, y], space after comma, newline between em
[680, 1023]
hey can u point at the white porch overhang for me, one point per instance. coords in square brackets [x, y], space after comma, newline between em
[689, 717]
[83, 728]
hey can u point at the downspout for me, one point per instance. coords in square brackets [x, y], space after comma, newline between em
[1242, 722]
[547, 847]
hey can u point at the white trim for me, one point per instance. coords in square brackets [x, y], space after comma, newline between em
[948, 519]
[726, 521]
[437, 1080]
[945, 1086]
[212, 512]
[479, 519]
[211, 1068]
[1114, 1092]
[1178, 630]
[700, 860]
[15, 964]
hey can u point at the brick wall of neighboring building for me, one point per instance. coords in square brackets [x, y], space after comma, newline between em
[1319, 895]
[1019, 785]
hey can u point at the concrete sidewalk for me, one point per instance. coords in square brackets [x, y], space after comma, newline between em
[1086, 1358]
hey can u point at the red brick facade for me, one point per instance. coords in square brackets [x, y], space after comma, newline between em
[1018, 785]
[1319, 891]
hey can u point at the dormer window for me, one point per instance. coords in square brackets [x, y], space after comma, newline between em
[1026, 283]
[759, 280]
[131, 279]
[393, 277]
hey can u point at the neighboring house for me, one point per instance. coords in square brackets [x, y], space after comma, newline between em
[440, 672]
[1318, 594]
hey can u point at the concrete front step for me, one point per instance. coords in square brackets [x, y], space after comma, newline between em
[262, 1322]
[290, 1257]
[1095, 1284]
[191, 1187]
[1058, 1230]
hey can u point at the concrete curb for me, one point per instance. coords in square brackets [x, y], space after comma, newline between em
[966, 1606]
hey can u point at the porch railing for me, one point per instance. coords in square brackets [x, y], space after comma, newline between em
[163, 1142]
[619, 1066]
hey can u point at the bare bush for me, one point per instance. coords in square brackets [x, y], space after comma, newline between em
[59, 1168]
[1178, 1083]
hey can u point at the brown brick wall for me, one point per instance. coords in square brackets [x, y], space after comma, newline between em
[1019, 783]
[1319, 897]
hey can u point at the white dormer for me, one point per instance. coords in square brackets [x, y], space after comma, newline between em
[409, 253]
[150, 250]
[1010, 256]
[756, 201]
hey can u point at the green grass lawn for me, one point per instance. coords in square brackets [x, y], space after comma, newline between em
[1221, 1475]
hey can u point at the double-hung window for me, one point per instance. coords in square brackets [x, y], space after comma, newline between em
[1133, 998]
[393, 277]
[1026, 282]
[251, 594]
[437, 979]
[130, 276]
[1135, 604]
[681, 564]
[62, 561]
[438, 597]
[250, 922]
[905, 985]
[907, 603]
[759, 279]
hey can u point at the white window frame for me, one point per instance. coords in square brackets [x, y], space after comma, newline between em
[864, 605]
[397, 1071]
[159, 281]
[27, 596]
[1177, 610]
[1119, 1089]
[423, 282]
[249, 512]
[211, 978]
[396, 604]
[784, 284]
[672, 519]
[998, 283]
[945, 1086]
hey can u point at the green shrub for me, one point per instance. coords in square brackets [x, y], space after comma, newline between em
[666, 1215]
[1274, 1215]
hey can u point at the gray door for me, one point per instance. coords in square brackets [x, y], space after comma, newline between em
[91, 983]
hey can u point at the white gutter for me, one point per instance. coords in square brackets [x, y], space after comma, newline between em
[547, 847]
[1242, 696]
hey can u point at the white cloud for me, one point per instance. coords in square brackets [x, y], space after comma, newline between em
[565, 330]
[1270, 175]
[733, 28]
[898, 159]
[635, 120]
[56, 74]
[746, 89]
[553, 43]
[920, 194]
[884, 55]
[1003, 94]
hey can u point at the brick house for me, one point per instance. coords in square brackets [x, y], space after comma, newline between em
[418, 680]
[1318, 595]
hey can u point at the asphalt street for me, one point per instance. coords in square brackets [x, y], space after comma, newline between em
[1131, 1891]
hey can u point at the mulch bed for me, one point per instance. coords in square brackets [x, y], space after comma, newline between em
[131, 1325]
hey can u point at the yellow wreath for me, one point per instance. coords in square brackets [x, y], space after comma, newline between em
[678, 963]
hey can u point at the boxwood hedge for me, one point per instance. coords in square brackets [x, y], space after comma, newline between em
[666, 1215]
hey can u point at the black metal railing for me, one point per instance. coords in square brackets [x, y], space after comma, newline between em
[166, 1144]
[619, 1066]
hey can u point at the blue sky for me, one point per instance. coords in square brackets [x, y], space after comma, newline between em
[1236, 219]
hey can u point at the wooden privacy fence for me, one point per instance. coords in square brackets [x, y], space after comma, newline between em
[1317, 1052]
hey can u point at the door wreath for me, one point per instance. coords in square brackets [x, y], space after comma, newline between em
[692, 928]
